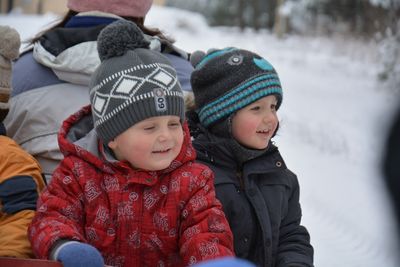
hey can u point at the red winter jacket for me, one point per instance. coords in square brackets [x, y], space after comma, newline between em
[133, 217]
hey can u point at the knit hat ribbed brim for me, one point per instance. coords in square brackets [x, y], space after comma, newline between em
[132, 83]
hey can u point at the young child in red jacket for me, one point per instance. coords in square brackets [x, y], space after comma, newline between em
[128, 192]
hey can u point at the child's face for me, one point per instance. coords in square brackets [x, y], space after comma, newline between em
[151, 144]
[254, 125]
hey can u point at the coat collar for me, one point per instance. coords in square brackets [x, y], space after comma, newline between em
[218, 151]
[71, 51]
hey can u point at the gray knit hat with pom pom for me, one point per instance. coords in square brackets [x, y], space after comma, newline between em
[132, 83]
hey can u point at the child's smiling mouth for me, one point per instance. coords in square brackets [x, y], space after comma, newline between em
[265, 132]
[162, 151]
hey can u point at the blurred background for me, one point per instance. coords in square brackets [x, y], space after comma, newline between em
[376, 20]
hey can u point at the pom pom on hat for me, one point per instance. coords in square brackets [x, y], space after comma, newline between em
[132, 83]
[196, 57]
[119, 37]
[10, 43]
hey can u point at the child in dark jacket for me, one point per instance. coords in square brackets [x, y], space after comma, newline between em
[20, 174]
[236, 96]
[128, 192]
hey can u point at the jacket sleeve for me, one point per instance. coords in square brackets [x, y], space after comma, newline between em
[204, 231]
[13, 238]
[20, 184]
[294, 240]
[35, 118]
[60, 212]
[183, 70]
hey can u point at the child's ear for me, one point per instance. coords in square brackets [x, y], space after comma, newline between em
[112, 144]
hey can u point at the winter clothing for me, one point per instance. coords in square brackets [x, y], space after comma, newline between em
[224, 81]
[123, 8]
[2, 129]
[20, 184]
[20, 174]
[225, 262]
[261, 201]
[57, 85]
[9, 50]
[133, 217]
[71, 254]
[391, 167]
[132, 82]
[260, 196]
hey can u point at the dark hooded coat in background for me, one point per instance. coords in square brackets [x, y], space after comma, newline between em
[391, 165]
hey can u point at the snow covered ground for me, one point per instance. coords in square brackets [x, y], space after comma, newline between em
[333, 124]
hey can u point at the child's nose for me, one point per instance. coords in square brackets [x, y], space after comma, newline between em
[270, 118]
[269, 115]
[164, 135]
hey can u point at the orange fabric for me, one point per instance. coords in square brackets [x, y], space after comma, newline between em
[15, 161]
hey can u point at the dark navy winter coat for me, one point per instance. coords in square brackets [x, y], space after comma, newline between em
[261, 202]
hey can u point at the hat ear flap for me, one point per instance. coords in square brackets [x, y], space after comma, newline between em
[196, 57]
[212, 50]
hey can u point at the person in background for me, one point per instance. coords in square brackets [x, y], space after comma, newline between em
[20, 174]
[128, 192]
[391, 166]
[237, 95]
[51, 79]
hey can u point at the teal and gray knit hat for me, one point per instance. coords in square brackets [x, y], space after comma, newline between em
[132, 83]
[225, 81]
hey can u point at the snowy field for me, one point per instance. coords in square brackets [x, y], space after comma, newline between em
[334, 118]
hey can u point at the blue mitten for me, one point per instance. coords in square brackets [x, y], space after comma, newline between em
[76, 254]
[225, 262]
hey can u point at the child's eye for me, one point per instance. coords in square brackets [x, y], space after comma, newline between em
[149, 128]
[255, 108]
[273, 106]
[174, 124]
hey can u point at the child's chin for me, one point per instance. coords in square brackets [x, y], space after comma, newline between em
[161, 165]
[255, 146]
[260, 146]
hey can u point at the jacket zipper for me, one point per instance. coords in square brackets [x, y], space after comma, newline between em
[239, 175]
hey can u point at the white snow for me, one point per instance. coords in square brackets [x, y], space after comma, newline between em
[334, 118]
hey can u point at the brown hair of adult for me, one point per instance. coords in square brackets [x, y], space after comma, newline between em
[139, 21]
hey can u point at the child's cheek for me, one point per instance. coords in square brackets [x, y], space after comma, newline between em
[250, 126]
[246, 129]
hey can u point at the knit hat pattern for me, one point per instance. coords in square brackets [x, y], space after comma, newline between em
[225, 81]
[132, 83]
[123, 8]
[10, 43]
